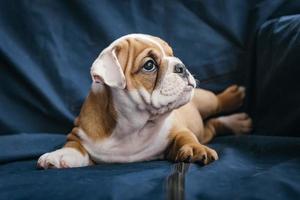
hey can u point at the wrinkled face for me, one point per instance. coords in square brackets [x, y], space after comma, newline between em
[145, 67]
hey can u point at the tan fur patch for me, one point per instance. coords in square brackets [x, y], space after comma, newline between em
[131, 53]
[74, 141]
[97, 117]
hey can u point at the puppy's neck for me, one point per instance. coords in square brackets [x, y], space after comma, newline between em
[108, 111]
[131, 118]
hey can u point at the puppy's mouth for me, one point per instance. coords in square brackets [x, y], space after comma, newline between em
[181, 100]
[190, 85]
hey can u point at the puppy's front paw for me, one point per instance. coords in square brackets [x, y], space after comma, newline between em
[239, 123]
[196, 153]
[231, 98]
[63, 158]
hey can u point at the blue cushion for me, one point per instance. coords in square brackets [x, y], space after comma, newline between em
[277, 99]
[250, 167]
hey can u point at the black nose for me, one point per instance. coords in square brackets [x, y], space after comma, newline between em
[181, 69]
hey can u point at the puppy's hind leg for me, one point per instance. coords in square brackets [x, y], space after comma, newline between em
[231, 98]
[237, 124]
[209, 104]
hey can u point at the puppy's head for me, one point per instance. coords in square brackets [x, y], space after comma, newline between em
[145, 68]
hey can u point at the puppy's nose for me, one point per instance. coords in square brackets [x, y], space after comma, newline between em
[181, 69]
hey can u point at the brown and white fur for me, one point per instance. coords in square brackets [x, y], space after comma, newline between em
[134, 114]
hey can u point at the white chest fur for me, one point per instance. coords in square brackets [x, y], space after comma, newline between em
[147, 144]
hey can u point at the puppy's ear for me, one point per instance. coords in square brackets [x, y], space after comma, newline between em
[106, 68]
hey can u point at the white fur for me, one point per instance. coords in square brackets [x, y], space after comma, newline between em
[147, 144]
[135, 138]
[63, 158]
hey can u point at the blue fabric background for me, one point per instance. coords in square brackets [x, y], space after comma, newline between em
[277, 107]
[47, 48]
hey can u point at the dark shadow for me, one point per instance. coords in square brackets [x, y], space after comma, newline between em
[175, 184]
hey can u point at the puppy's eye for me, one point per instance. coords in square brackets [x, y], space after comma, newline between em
[149, 66]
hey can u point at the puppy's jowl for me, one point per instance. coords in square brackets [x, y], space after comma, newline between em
[143, 105]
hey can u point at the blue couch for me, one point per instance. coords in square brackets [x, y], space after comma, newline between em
[46, 50]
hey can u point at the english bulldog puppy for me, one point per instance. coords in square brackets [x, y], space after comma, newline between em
[142, 106]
